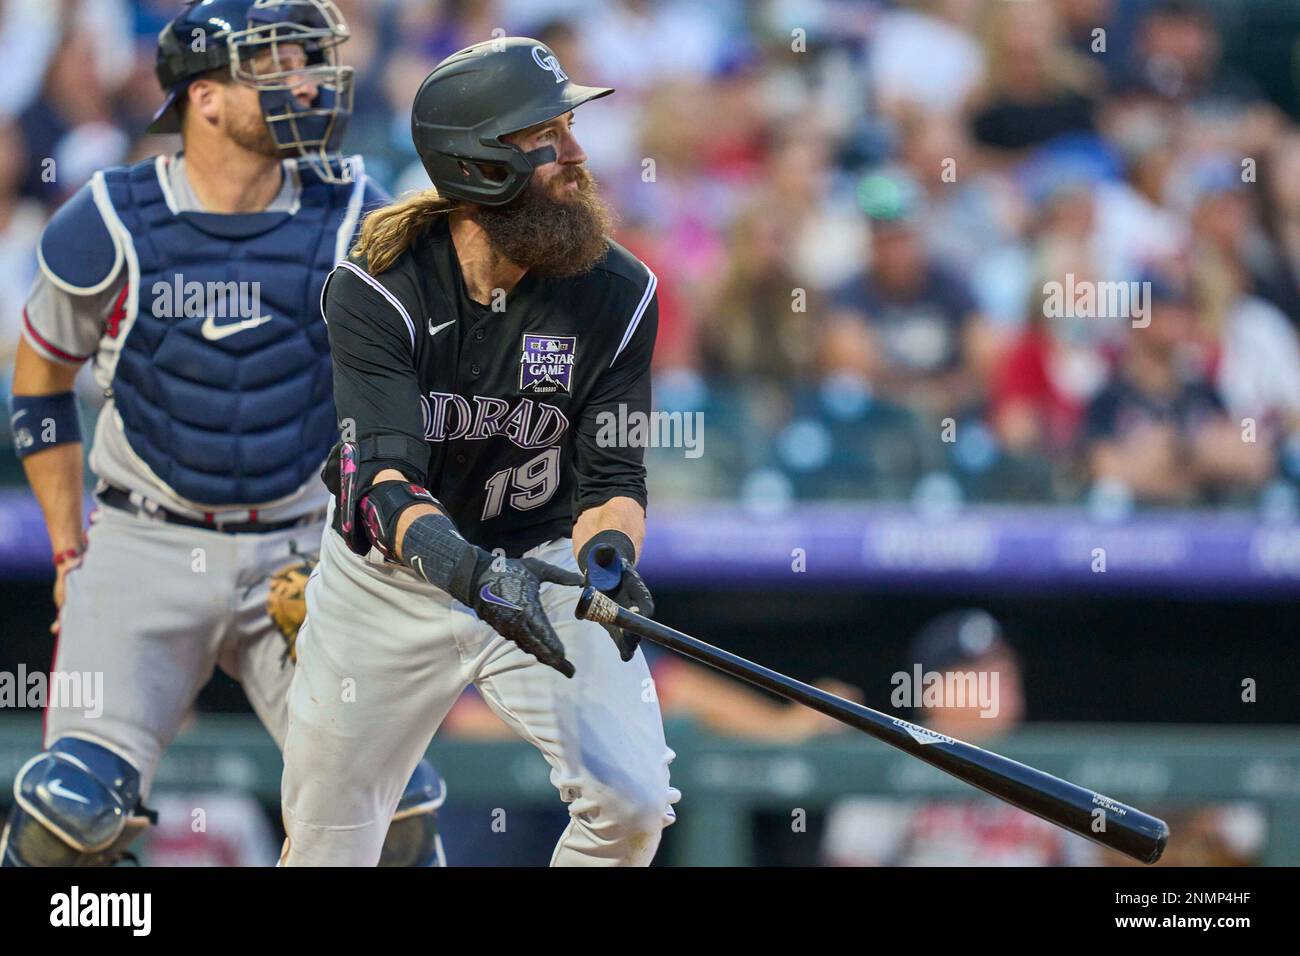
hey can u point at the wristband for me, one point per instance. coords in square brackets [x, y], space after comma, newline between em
[616, 539]
[39, 422]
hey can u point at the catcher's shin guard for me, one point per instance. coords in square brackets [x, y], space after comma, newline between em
[77, 804]
[412, 838]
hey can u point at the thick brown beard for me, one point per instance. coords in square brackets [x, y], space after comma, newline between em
[552, 238]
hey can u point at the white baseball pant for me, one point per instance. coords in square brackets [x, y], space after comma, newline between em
[383, 656]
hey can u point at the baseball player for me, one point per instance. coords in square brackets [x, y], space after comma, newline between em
[193, 283]
[478, 333]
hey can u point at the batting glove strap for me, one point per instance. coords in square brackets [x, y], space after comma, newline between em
[434, 549]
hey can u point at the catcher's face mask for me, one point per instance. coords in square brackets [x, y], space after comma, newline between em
[291, 46]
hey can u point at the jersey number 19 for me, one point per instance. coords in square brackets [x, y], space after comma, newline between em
[535, 483]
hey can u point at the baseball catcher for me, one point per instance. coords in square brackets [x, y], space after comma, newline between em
[192, 283]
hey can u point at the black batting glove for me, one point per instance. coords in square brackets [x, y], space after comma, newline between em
[506, 594]
[604, 550]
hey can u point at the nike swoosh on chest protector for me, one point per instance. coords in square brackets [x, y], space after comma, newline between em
[215, 333]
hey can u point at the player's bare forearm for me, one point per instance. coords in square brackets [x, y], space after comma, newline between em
[1219, 456]
[56, 474]
[57, 482]
[617, 514]
[722, 704]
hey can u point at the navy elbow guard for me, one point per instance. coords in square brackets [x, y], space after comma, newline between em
[39, 422]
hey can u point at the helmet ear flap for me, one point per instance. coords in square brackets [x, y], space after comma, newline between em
[500, 174]
[488, 173]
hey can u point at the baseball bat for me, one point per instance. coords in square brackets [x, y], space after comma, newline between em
[1082, 811]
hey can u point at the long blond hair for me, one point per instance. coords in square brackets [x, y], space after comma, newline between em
[388, 232]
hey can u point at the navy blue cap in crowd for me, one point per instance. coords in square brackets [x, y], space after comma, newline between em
[956, 638]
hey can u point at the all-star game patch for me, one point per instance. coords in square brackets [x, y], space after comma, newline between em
[547, 363]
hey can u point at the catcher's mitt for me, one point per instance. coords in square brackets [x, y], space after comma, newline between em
[286, 600]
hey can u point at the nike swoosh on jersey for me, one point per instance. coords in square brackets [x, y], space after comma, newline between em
[215, 333]
[59, 790]
[491, 598]
[435, 329]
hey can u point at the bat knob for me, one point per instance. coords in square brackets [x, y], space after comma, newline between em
[605, 568]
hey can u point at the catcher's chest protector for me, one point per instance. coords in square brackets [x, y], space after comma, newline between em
[226, 414]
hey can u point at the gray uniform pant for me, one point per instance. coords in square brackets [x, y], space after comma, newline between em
[154, 607]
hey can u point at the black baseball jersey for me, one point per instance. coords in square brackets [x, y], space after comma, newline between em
[496, 409]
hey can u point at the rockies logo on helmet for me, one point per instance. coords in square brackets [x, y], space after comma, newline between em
[547, 61]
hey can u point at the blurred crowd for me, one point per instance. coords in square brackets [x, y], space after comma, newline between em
[863, 214]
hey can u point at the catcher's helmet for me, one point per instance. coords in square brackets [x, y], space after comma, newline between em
[475, 97]
[230, 34]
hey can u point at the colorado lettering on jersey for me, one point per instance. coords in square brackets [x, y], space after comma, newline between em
[528, 424]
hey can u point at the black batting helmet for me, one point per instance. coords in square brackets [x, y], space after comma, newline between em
[474, 98]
